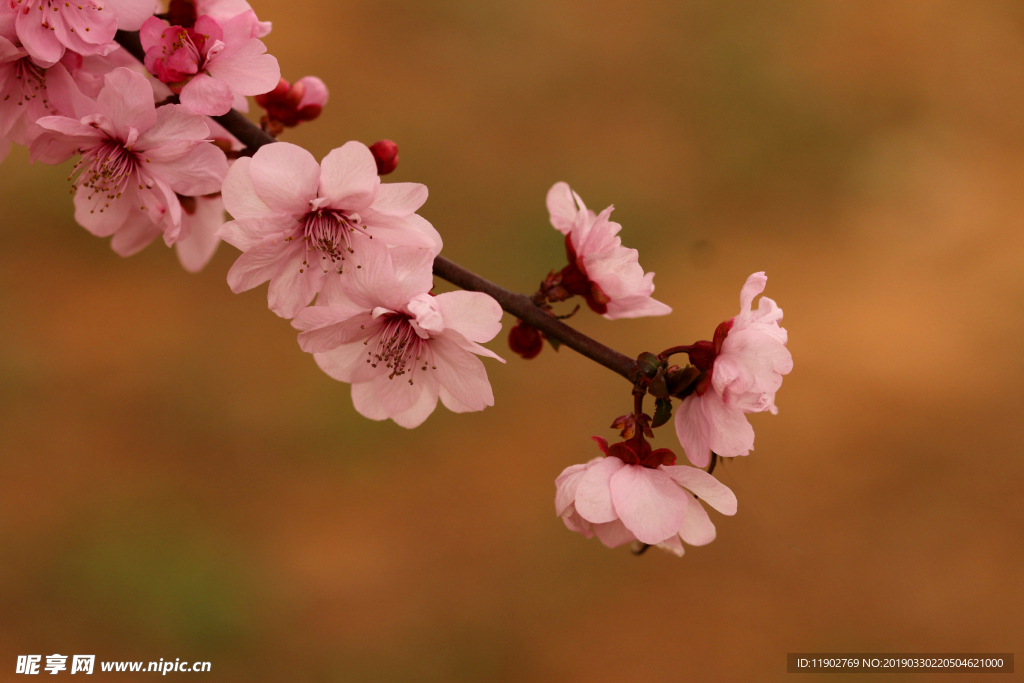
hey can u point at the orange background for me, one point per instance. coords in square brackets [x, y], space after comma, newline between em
[177, 479]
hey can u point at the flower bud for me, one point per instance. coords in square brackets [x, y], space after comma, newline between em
[288, 105]
[385, 152]
[524, 339]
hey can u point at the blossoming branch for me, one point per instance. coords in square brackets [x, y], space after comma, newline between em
[150, 100]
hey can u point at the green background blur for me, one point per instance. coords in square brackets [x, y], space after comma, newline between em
[177, 479]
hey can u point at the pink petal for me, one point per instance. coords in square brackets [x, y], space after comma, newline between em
[421, 409]
[135, 234]
[731, 433]
[414, 270]
[697, 528]
[246, 233]
[561, 207]
[246, 70]
[673, 545]
[285, 177]
[462, 374]
[566, 484]
[334, 326]
[127, 100]
[593, 495]
[97, 217]
[196, 250]
[207, 95]
[374, 283]
[477, 316]
[381, 398]
[754, 285]
[710, 490]
[399, 199]
[345, 363]
[349, 178]
[174, 123]
[259, 264]
[648, 502]
[614, 533]
[294, 286]
[40, 42]
[240, 198]
[199, 173]
[410, 231]
[131, 13]
[694, 429]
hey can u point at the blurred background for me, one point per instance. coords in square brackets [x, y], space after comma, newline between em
[177, 479]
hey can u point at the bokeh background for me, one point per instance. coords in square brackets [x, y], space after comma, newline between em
[178, 480]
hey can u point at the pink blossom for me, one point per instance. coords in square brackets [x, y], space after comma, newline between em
[212, 65]
[136, 161]
[29, 91]
[49, 27]
[605, 273]
[741, 371]
[636, 493]
[401, 348]
[298, 221]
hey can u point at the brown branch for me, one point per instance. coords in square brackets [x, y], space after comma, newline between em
[519, 305]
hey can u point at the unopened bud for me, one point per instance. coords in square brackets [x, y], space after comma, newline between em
[524, 339]
[288, 105]
[385, 153]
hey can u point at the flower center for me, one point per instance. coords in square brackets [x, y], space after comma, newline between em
[399, 347]
[328, 236]
[105, 171]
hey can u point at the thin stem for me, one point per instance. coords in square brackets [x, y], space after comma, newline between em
[519, 305]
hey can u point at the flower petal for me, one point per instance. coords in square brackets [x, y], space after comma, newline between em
[593, 495]
[285, 177]
[475, 315]
[462, 374]
[127, 100]
[697, 527]
[240, 198]
[561, 207]
[614, 533]
[710, 490]
[205, 94]
[349, 178]
[648, 502]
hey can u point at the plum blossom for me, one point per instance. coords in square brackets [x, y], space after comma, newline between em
[136, 161]
[299, 222]
[741, 371]
[30, 91]
[635, 493]
[605, 273]
[202, 218]
[399, 347]
[48, 28]
[213, 64]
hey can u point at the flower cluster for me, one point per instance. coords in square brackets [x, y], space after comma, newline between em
[349, 259]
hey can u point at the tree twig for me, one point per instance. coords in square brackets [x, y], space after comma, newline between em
[519, 305]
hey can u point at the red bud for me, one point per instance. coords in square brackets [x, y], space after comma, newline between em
[525, 340]
[385, 153]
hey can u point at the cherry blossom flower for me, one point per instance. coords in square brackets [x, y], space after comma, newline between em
[636, 493]
[297, 222]
[47, 28]
[136, 161]
[741, 371]
[605, 273]
[399, 347]
[29, 91]
[214, 64]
